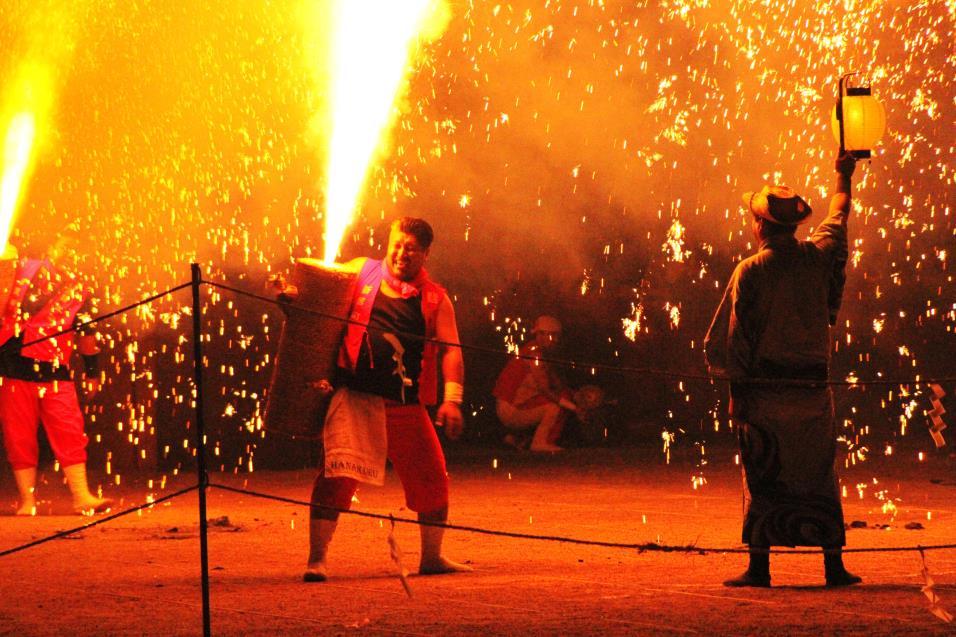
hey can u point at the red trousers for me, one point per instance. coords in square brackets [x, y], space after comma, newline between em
[416, 456]
[24, 405]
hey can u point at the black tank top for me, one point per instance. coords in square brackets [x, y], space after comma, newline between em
[389, 364]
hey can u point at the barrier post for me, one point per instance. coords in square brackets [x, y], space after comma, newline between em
[200, 448]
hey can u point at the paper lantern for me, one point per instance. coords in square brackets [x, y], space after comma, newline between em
[858, 120]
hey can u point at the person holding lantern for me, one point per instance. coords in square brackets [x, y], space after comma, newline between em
[37, 384]
[770, 337]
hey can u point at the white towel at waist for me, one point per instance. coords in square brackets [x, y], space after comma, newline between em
[356, 444]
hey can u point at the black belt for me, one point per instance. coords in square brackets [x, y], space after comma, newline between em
[23, 368]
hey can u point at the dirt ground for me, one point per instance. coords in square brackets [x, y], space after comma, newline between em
[139, 575]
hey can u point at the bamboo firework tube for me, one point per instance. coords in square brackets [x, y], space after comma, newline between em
[8, 276]
[308, 348]
[8, 279]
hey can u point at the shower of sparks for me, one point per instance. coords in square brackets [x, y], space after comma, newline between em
[674, 246]
[370, 48]
[610, 138]
[634, 323]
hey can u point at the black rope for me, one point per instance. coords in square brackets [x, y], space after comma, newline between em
[102, 317]
[287, 435]
[639, 547]
[651, 371]
[96, 522]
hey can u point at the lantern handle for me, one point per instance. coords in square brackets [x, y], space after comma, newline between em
[841, 89]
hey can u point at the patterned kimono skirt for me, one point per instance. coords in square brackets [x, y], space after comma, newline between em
[787, 438]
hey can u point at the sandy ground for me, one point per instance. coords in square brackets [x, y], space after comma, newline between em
[139, 575]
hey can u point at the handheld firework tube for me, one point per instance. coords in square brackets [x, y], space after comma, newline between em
[8, 275]
[308, 348]
[9, 263]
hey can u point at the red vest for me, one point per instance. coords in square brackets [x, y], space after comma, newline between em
[363, 298]
[57, 315]
[510, 379]
[513, 376]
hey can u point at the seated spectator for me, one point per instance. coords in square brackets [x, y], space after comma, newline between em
[529, 394]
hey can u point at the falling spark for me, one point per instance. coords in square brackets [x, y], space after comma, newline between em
[634, 323]
[674, 246]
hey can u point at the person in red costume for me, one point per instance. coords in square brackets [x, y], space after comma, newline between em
[37, 384]
[529, 394]
[402, 333]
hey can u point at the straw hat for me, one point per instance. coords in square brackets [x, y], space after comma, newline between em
[778, 204]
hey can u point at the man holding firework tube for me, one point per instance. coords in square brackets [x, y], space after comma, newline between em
[402, 329]
[37, 384]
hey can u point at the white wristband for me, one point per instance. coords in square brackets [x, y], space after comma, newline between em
[454, 392]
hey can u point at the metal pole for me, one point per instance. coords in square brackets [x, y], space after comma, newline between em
[839, 112]
[841, 91]
[200, 448]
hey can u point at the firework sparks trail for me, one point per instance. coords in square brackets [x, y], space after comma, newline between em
[556, 138]
[28, 104]
[371, 43]
[16, 163]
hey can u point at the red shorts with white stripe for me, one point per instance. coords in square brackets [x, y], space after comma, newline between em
[416, 456]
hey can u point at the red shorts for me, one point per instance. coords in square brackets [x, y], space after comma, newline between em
[24, 405]
[415, 454]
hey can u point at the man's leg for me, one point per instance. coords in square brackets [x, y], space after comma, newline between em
[26, 480]
[328, 494]
[19, 416]
[416, 455]
[758, 571]
[835, 571]
[547, 419]
[432, 561]
[548, 432]
[518, 423]
[63, 421]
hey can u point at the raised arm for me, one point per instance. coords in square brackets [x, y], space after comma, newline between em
[831, 236]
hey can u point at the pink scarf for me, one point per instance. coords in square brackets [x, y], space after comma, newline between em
[406, 289]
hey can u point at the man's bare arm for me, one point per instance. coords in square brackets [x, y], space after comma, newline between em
[452, 368]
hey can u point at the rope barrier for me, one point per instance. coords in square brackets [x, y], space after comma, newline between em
[97, 522]
[204, 483]
[620, 369]
[650, 371]
[102, 317]
[639, 547]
